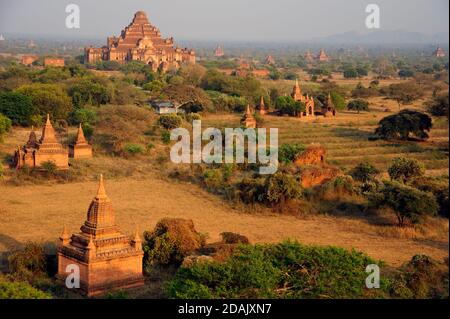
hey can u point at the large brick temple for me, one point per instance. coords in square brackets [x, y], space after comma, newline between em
[141, 41]
[107, 259]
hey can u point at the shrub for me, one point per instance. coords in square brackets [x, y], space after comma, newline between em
[49, 167]
[28, 263]
[421, 278]
[169, 121]
[20, 290]
[438, 106]
[171, 241]
[165, 137]
[233, 238]
[192, 117]
[358, 105]
[5, 125]
[403, 124]
[364, 172]
[251, 190]
[281, 187]
[404, 169]
[133, 149]
[408, 203]
[284, 270]
[287, 153]
[440, 190]
[85, 115]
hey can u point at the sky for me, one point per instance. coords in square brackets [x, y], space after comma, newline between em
[229, 20]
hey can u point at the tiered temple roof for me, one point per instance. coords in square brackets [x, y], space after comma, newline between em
[298, 96]
[107, 258]
[80, 148]
[141, 41]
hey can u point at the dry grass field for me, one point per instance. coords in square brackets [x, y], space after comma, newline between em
[142, 197]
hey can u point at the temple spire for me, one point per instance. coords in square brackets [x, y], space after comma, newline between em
[48, 132]
[80, 135]
[101, 193]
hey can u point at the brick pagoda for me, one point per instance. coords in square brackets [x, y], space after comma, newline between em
[34, 153]
[80, 148]
[107, 258]
[298, 96]
[248, 120]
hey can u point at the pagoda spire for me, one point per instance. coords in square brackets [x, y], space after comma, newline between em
[48, 132]
[101, 193]
[80, 135]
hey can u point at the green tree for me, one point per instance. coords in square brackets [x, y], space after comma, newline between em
[404, 124]
[364, 172]
[287, 153]
[404, 169]
[281, 187]
[438, 106]
[338, 100]
[169, 121]
[48, 99]
[5, 125]
[287, 105]
[358, 105]
[404, 93]
[17, 107]
[408, 203]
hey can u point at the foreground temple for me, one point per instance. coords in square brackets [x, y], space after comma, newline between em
[107, 259]
[141, 41]
[34, 153]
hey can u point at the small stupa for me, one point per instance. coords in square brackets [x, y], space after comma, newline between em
[80, 148]
[262, 107]
[248, 120]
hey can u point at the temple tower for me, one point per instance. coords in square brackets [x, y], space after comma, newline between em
[107, 259]
[80, 148]
[248, 120]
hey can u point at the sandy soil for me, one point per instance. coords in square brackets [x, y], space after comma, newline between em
[39, 212]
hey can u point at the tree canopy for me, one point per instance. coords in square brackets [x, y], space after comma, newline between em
[404, 124]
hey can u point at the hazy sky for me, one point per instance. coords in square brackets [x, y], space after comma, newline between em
[224, 19]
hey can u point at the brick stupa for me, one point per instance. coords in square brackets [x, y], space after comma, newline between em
[248, 120]
[298, 96]
[262, 107]
[80, 148]
[34, 153]
[107, 259]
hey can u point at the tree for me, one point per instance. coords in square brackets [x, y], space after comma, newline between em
[403, 124]
[89, 91]
[438, 106]
[350, 73]
[169, 121]
[408, 203]
[404, 169]
[404, 93]
[287, 105]
[405, 73]
[5, 125]
[364, 172]
[338, 100]
[188, 94]
[287, 153]
[48, 99]
[358, 105]
[17, 107]
[281, 187]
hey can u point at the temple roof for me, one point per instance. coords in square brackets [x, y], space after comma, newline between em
[80, 136]
[48, 133]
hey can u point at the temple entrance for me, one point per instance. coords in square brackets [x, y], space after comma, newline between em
[310, 111]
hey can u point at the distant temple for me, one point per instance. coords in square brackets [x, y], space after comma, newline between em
[309, 57]
[262, 107]
[107, 259]
[55, 62]
[218, 52]
[323, 57]
[298, 96]
[329, 110]
[29, 59]
[141, 41]
[34, 153]
[2, 38]
[439, 53]
[270, 60]
[248, 120]
[80, 148]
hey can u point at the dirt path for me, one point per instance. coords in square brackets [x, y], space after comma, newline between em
[39, 212]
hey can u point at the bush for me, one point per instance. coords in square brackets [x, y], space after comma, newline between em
[287, 153]
[20, 290]
[5, 125]
[165, 137]
[439, 189]
[193, 117]
[28, 263]
[171, 241]
[49, 167]
[403, 124]
[133, 149]
[233, 238]
[438, 106]
[285, 270]
[404, 169]
[281, 187]
[358, 105]
[169, 121]
[408, 203]
[364, 172]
